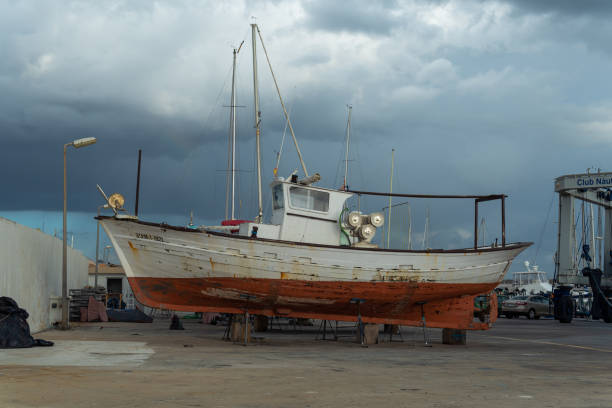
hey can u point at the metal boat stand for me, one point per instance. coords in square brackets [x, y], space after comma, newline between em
[426, 337]
[358, 302]
[227, 334]
[246, 317]
[323, 329]
[228, 328]
[399, 333]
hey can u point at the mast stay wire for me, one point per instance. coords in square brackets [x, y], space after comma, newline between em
[280, 151]
[192, 152]
[187, 168]
[341, 158]
[295, 142]
[356, 155]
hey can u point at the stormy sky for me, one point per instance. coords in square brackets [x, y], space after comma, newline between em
[475, 97]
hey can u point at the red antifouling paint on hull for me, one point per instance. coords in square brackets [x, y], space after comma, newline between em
[447, 305]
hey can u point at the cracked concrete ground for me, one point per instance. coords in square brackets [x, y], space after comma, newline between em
[519, 363]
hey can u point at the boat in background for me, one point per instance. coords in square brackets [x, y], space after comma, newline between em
[532, 281]
[314, 259]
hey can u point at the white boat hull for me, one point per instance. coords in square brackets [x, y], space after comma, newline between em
[181, 269]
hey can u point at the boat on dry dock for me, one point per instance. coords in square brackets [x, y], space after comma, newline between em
[314, 259]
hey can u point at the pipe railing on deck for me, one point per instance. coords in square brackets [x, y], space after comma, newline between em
[477, 199]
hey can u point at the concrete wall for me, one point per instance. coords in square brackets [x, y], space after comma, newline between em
[31, 270]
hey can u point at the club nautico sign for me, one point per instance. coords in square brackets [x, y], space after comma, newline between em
[594, 182]
[581, 181]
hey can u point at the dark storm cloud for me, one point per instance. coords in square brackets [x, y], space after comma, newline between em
[571, 8]
[475, 97]
[44, 117]
[572, 23]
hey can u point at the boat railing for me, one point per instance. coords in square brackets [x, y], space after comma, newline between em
[477, 200]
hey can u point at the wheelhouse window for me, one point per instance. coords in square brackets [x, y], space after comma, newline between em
[307, 199]
[277, 197]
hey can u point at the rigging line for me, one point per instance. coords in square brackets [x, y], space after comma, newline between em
[339, 164]
[535, 258]
[192, 152]
[361, 200]
[295, 142]
[341, 158]
[348, 140]
[228, 176]
[357, 155]
[280, 151]
[252, 185]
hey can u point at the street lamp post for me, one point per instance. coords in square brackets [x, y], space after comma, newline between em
[65, 303]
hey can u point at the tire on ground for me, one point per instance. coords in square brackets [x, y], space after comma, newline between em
[566, 312]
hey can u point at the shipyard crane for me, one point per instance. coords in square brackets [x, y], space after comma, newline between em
[594, 188]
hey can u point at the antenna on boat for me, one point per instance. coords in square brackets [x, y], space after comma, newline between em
[390, 198]
[257, 123]
[348, 138]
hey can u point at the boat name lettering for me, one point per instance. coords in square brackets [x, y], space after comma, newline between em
[149, 236]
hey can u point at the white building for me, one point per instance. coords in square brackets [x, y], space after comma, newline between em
[112, 278]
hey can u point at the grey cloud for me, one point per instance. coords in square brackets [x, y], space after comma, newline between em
[359, 16]
[312, 59]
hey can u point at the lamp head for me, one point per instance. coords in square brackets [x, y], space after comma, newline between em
[86, 141]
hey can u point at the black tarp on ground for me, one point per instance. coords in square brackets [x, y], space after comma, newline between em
[14, 328]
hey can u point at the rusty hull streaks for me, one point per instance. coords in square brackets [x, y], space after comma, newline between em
[391, 302]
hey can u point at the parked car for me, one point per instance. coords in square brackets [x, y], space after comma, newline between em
[532, 306]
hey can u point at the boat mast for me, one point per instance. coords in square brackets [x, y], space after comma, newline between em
[390, 198]
[348, 138]
[257, 123]
[233, 127]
